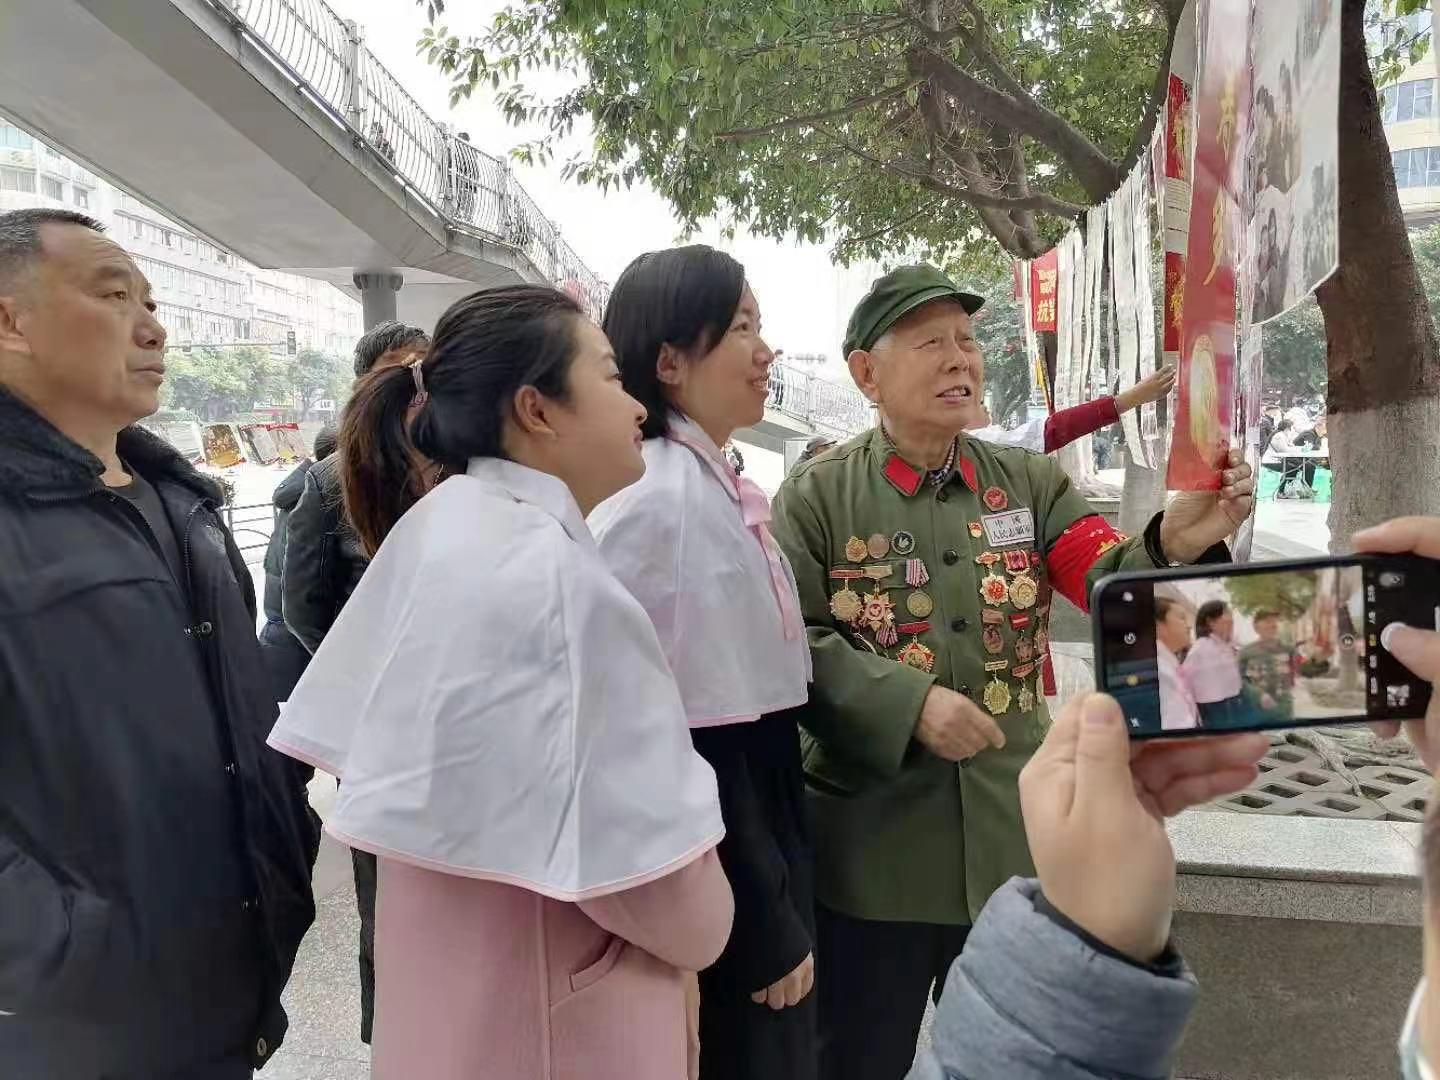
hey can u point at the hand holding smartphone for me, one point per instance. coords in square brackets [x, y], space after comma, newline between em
[1253, 647]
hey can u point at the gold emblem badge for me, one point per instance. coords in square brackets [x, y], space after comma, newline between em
[855, 549]
[879, 572]
[878, 611]
[918, 656]
[996, 590]
[878, 546]
[919, 604]
[997, 697]
[1023, 591]
[846, 605]
[1026, 700]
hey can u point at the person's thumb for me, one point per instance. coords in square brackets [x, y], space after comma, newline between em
[1418, 650]
[1102, 752]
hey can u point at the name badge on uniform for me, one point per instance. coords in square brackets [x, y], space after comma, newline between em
[1012, 527]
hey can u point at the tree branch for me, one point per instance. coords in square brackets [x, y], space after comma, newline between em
[850, 108]
[875, 234]
[1097, 174]
[1047, 204]
[1159, 93]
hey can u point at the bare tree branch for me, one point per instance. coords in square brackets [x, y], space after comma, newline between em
[850, 108]
[876, 234]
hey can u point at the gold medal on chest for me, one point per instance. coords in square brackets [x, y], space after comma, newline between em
[997, 697]
[1023, 591]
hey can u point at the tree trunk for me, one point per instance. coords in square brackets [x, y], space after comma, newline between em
[1383, 360]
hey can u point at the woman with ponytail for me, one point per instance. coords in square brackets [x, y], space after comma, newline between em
[692, 542]
[510, 738]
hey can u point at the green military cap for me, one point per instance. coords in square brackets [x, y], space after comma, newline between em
[896, 295]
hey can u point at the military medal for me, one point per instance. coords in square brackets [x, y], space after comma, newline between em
[878, 573]
[997, 697]
[1023, 671]
[975, 530]
[902, 543]
[855, 550]
[993, 640]
[996, 499]
[1024, 650]
[1026, 701]
[878, 546]
[997, 665]
[846, 575]
[917, 656]
[991, 618]
[887, 637]
[1019, 620]
[878, 611]
[915, 573]
[847, 605]
[1034, 558]
[919, 604]
[1042, 639]
[996, 590]
[1017, 561]
[987, 559]
[1106, 545]
[1023, 591]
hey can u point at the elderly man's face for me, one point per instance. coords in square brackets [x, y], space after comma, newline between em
[927, 371]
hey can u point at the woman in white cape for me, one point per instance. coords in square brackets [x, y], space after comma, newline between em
[510, 738]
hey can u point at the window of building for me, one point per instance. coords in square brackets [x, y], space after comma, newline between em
[1413, 100]
[1417, 168]
[167, 238]
[17, 180]
[80, 196]
[12, 138]
[52, 188]
[137, 228]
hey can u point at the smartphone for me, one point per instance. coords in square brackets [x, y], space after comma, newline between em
[1256, 646]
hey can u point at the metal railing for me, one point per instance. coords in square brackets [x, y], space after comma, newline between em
[838, 411]
[326, 56]
[252, 526]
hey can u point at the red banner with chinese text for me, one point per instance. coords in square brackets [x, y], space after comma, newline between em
[1207, 333]
[1044, 291]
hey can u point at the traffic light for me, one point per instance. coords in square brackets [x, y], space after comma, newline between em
[290, 342]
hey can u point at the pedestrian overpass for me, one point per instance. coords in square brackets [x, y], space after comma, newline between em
[269, 126]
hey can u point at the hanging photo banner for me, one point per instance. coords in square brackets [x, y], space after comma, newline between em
[1097, 380]
[1145, 304]
[1207, 335]
[1122, 299]
[1035, 359]
[1247, 425]
[1292, 165]
[1176, 167]
[1044, 290]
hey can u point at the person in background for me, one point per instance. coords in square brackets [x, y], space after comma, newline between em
[324, 560]
[691, 541]
[1073, 975]
[155, 855]
[1268, 422]
[1281, 443]
[1268, 666]
[1316, 440]
[510, 739]
[285, 656]
[1060, 429]
[818, 444]
[1178, 708]
[1212, 668]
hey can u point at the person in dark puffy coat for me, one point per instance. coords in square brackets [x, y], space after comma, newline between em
[155, 854]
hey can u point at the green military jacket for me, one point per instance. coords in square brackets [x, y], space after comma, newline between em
[901, 834]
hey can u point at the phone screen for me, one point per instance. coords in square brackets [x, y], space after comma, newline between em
[1245, 648]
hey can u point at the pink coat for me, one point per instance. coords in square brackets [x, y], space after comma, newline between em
[477, 980]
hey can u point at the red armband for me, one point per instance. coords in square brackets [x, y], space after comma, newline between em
[1077, 550]
[1067, 425]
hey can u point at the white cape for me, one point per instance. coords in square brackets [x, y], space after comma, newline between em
[497, 705]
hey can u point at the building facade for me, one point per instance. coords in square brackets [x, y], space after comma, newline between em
[1411, 114]
[206, 295]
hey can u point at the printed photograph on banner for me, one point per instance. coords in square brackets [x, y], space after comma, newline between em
[1206, 400]
[1246, 429]
[1291, 167]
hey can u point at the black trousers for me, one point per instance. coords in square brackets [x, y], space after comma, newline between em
[873, 978]
[365, 871]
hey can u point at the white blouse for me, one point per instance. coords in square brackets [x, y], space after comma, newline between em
[497, 704]
[680, 541]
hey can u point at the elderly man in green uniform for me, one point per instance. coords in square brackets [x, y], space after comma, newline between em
[925, 562]
[1269, 669]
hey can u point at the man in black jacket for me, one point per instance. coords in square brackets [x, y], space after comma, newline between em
[154, 853]
[323, 564]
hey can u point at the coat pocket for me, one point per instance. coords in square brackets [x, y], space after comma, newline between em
[589, 976]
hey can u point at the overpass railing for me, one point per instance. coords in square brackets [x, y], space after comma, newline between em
[831, 409]
[326, 56]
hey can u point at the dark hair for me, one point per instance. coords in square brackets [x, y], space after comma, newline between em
[486, 347]
[1163, 605]
[382, 338]
[814, 448]
[20, 234]
[1206, 616]
[1284, 425]
[685, 297]
[325, 441]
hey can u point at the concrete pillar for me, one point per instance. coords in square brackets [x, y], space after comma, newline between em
[377, 295]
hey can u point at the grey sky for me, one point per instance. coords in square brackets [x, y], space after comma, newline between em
[804, 299]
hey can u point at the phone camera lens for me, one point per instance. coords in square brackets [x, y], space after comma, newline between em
[1129, 597]
[1390, 579]
[1130, 639]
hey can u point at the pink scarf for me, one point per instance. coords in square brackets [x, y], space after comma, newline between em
[755, 512]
